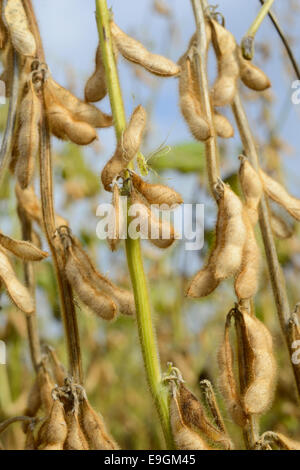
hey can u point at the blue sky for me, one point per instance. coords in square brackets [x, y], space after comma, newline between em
[70, 38]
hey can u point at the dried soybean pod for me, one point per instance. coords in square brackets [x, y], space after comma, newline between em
[24, 250]
[117, 223]
[75, 439]
[33, 403]
[122, 298]
[17, 23]
[99, 303]
[28, 136]
[223, 127]
[94, 428]
[58, 370]
[189, 104]
[259, 392]
[54, 430]
[127, 147]
[246, 282]
[3, 31]
[193, 415]
[203, 283]
[64, 127]
[46, 386]
[18, 293]
[252, 76]
[7, 62]
[184, 437]
[79, 110]
[279, 194]
[95, 88]
[30, 443]
[279, 227]
[156, 193]
[134, 51]
[160, 233]
[227, 381]
[225, 86]
[30, 204]
[283, 442]
[229, 255]
[252, 188]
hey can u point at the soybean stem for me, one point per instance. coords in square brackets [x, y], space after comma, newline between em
[133, 249]
[259, 18]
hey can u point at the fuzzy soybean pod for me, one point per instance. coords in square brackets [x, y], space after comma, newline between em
[189, 102]
[64, 127]
[54, 431]
[127, 147]
[185, 438]
[279, 194]
[134, 51]
[280, 440]
[253, 77]
[117, 222]
[223, 127]
[18, 293]
[22, 249]
[225, 86]
[205, 282]
[252, 188]
[33, 403]
[18, 27]
[96, 88]
[246, 282]
[227, 381]
[156, 193]
[75, 438]
[46, 386]
[194, 416]
[94, 428]
[233, 236]
[159, 232]
[79, 110]
[28, 136]
[279, 227]
[95, 300]
[122, 298]
[259, 392]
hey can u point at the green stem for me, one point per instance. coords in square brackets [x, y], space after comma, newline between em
[133, 249]
[248, 40]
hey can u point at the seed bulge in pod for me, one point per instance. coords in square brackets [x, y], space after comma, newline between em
[156, 193]
[17, 23]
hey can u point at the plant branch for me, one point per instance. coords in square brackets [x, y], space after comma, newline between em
[284, 41]
[276, 275]
[248, 40]
[133, 249]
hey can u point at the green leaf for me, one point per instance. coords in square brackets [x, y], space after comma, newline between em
[186, 158]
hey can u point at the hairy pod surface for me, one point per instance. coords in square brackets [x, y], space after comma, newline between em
[189, 102]
[246, 282]
[185, 438]
[225, 86]
[75, 438]
[252, 188]
[22, 249]
[94, 428]
[18, 27]
[223, 127]
[156, 193]
[96, 301]
[117, 222]
[18, 293]
[279, 194]
[127, 147]
[95, 88]
[79, 110]
[28, 136]
[46, 385]
[54, 431]
[259, 391]
[134, 51]
[159, 232]
[194, 416]
[253, 77]
[122, 298]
